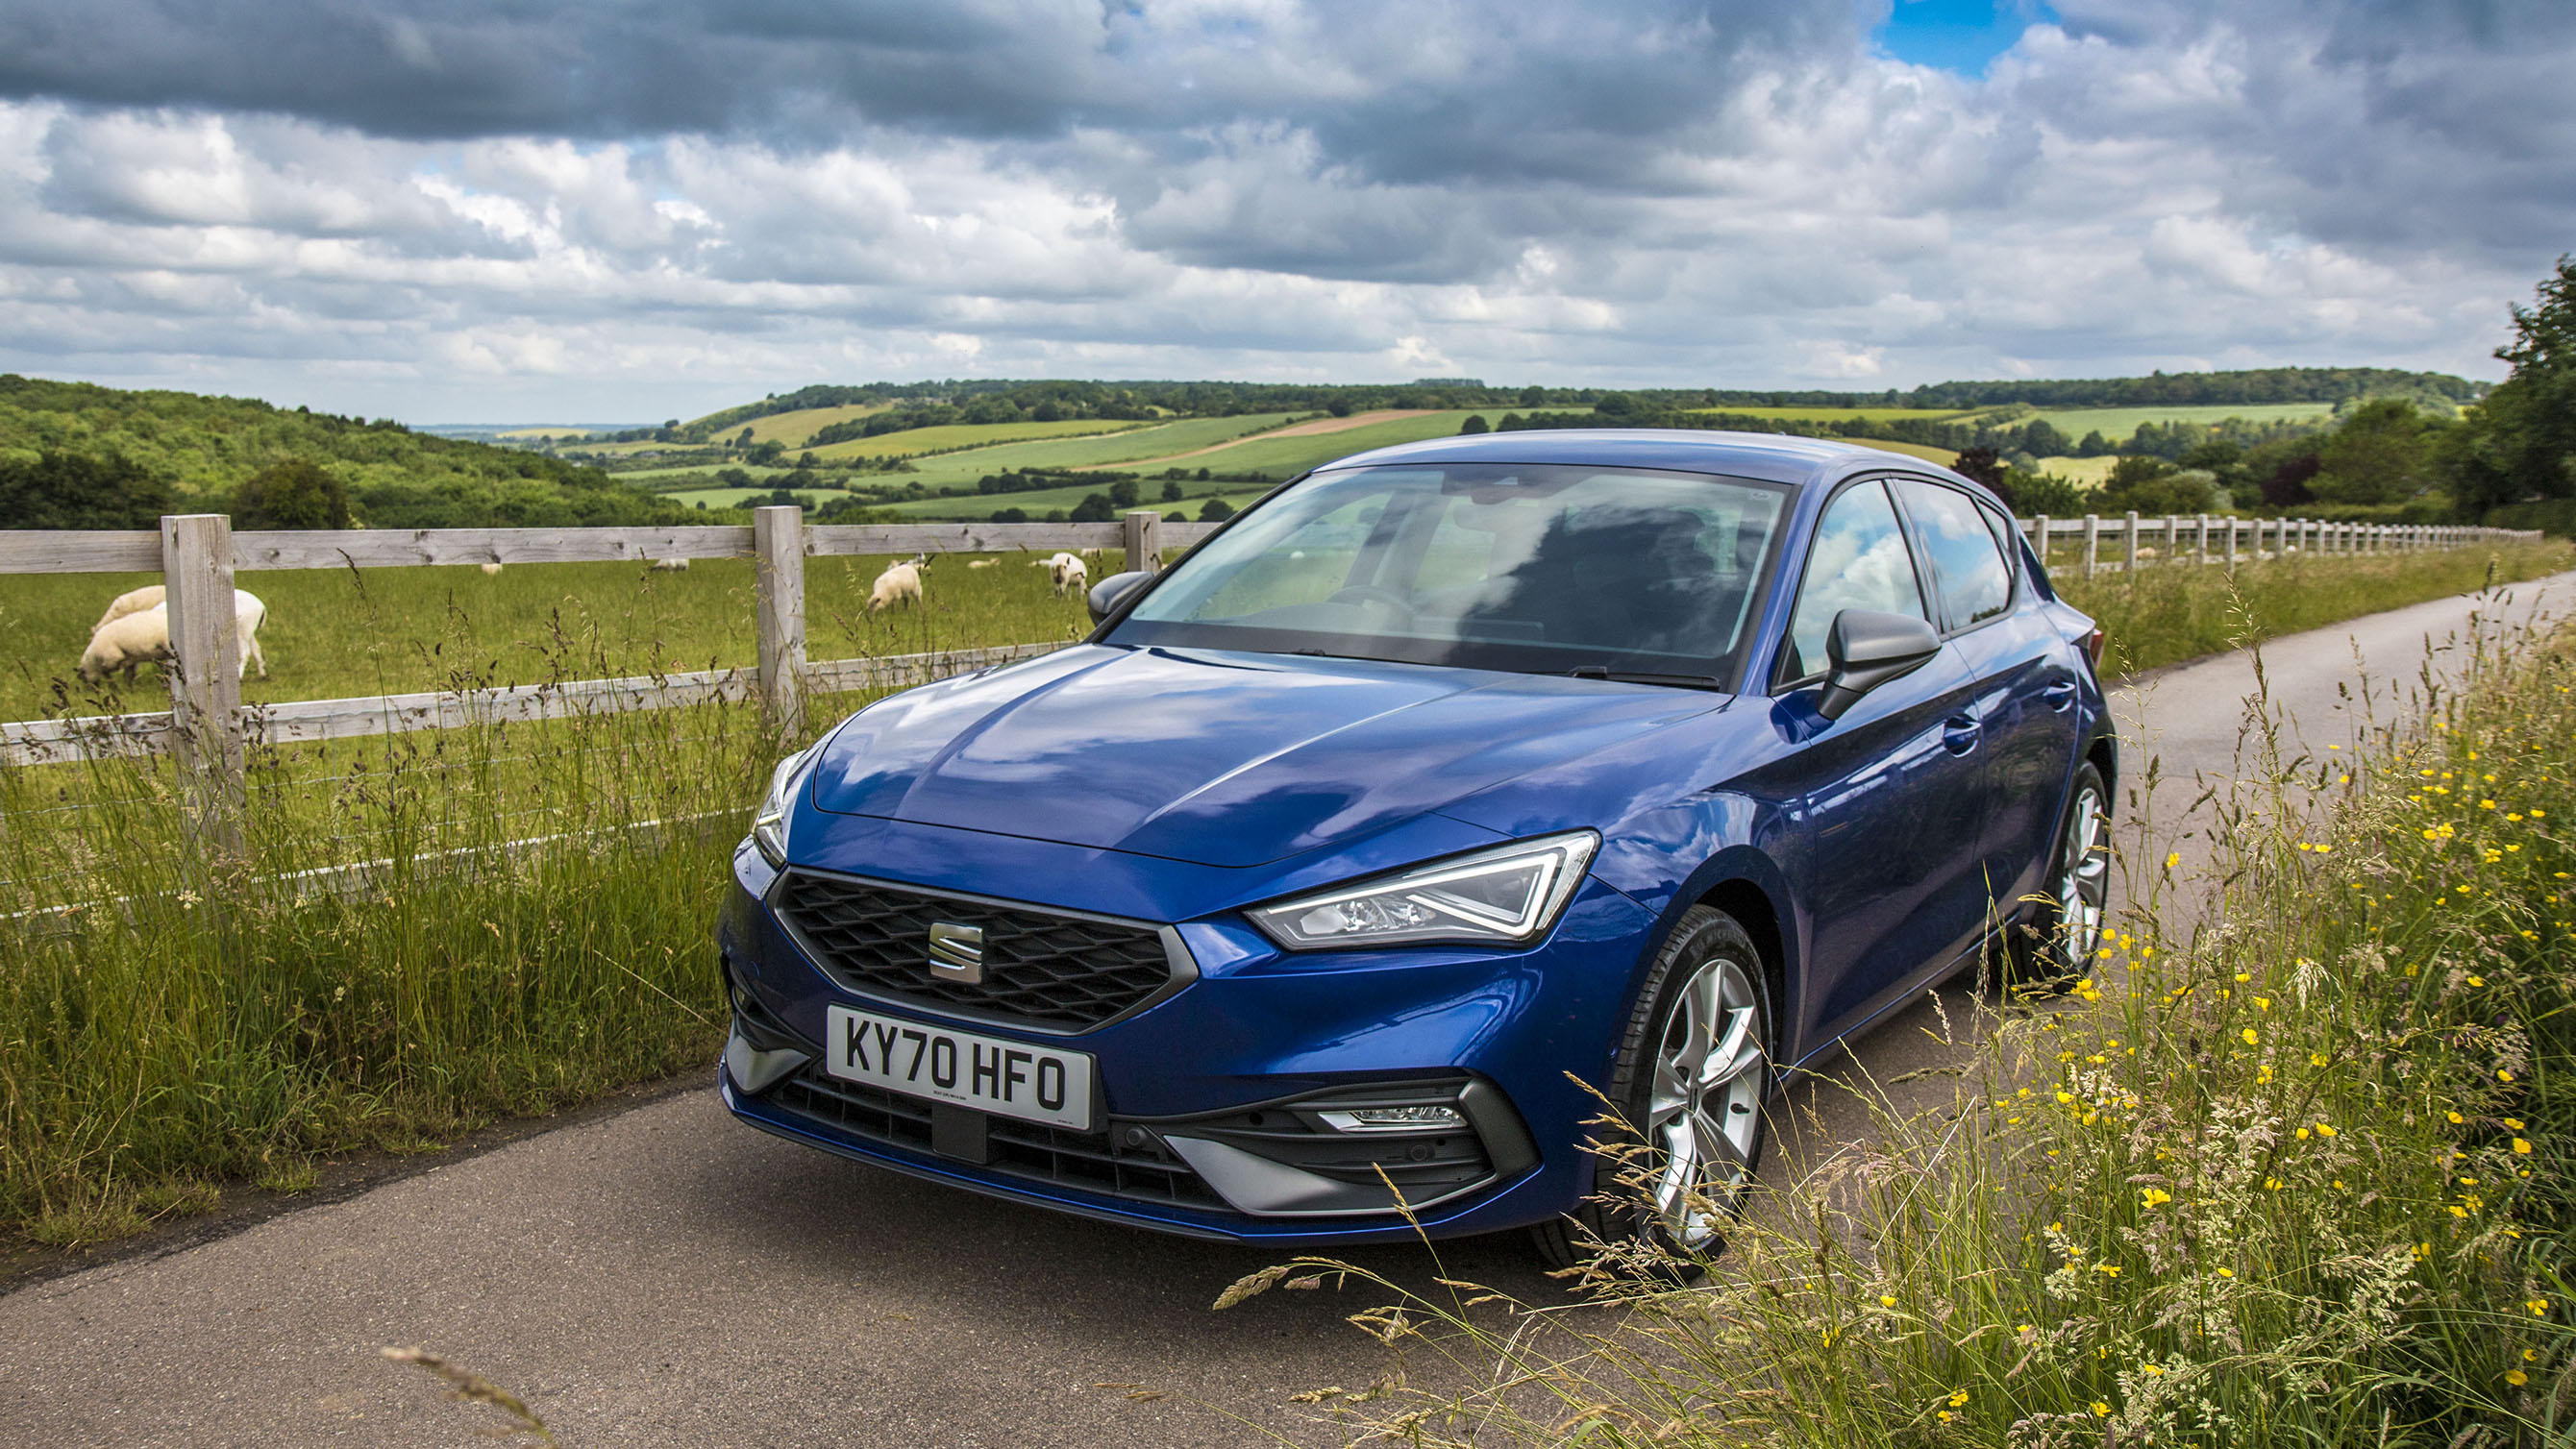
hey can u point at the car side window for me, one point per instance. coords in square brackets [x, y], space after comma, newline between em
[2005, 537]
[1967, 567]
[1859, 561]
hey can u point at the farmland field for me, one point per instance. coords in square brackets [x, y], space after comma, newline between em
[967, 435]
[2090, 471]
[1842, 415]
[1275, 457]
[792, 429]
[1039, 502]
[2118, 423]
[1925, 451]
[1110, 451]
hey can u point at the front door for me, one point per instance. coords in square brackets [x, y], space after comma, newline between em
[1891, 795]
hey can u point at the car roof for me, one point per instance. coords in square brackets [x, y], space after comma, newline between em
[1771, 457]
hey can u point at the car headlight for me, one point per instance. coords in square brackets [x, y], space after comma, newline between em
[1509, 895]
[769, 823]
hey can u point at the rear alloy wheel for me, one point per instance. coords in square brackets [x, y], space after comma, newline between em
[1693, 1069]
[2058, 943]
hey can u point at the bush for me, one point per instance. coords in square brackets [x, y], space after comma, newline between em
[1474, 424]
[293, 494]
[1215, 510]
[1095, 508]
[2155, 487]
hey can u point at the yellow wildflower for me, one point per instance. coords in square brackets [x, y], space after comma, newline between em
[2325, 1129]
[2516, 1377]
[2251, 1036]
[2521, 1147]
[1958, 1398]
[2226, 1272]
[2155, 1197]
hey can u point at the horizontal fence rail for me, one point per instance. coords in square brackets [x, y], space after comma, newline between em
[90, 737]
[139, 550]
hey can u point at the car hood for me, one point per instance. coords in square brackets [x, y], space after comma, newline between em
[1218, 758]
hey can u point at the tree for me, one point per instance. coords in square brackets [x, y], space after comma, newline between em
[2383, 453]
[1215, 510]
[1123, 493]
[1982, 465]
[294, 494]
[2095, 446]
[2152, 486]
[2042, 440]
[1095, 508]
[75, 490]
[1172, 491]
[1474, 424]
[2520, 443]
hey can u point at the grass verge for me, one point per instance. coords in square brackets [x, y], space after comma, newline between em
[2164, 615]
[2302, 1178]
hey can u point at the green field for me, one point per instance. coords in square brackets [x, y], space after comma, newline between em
[948, 436]
[1844, 415]
[792, 429]
[333, 634]
[1040, 502]
[1276, 458]
[1925, 451]
[2092, 472]
[2118, 423]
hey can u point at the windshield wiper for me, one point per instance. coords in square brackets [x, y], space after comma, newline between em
[1629, 676]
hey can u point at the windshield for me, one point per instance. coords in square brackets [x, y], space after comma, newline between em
[1540, 569]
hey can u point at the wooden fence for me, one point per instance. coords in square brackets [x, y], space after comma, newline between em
[209, 729]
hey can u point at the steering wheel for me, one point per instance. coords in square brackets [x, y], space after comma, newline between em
[1371, 594]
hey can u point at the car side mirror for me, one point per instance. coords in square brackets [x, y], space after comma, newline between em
[1866, 649]
[1111, 594]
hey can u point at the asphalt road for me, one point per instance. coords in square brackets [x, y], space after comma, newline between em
[664, 1276]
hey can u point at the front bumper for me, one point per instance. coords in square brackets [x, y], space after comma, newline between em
[1215, 1096]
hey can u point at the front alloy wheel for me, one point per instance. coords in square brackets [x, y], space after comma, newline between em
[1703, 1112]
[1692, 1070]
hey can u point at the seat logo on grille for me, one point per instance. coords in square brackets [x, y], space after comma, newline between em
[957, 952]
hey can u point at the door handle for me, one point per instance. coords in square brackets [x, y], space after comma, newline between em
[1959, 734]
[2060, 695]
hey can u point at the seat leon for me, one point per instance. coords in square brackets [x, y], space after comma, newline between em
[1340, 876]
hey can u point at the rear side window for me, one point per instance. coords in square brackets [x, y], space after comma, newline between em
[1859, 562]
[1966, 564]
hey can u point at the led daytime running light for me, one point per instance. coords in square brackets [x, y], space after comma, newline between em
[1508, 895]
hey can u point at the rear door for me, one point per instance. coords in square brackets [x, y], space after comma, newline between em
[1891, 794]
[2024, 673]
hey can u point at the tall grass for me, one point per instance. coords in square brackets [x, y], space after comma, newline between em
[526, 927]
[2301, 1178]
[2165, 614]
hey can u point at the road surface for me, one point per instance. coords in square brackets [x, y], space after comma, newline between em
[664, 1276]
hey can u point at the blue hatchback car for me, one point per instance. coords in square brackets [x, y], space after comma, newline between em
[1445, 787]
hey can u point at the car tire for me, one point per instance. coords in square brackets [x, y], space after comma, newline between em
[2052, 947]
[1709, 984]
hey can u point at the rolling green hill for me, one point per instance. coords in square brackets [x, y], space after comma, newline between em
[197, 450]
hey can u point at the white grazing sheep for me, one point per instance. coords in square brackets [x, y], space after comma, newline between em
[2148, 553]
[134, 601]
[1071, 577]
[670, 565]
[490, 568]
[127, 642]
[982, 563]
[899, 583]
[1054, 562]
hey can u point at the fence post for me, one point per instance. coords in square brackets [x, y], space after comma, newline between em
[2129, 530]
[2231, 543]
[2092, 544]
[205, 673]
[2173, 538]
[2039, 536]
[1144, 540]
[778, 575]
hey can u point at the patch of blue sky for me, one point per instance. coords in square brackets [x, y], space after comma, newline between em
[1958, 35]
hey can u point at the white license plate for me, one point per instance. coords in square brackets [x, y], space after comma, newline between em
[989, 1074]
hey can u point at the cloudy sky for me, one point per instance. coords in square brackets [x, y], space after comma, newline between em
[487, 210]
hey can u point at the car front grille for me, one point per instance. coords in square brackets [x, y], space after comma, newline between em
[1097, 1162]
[1044, 969]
